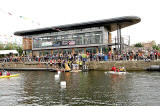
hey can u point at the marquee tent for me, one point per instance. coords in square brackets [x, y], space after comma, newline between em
[8, 52]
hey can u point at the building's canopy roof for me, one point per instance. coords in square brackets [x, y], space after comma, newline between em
[111, 25]
[8, 51]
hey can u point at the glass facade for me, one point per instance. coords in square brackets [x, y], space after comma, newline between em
[67, 51]
[79, 50]
[95, 37]
[91, 50]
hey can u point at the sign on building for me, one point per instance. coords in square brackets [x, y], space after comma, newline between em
[72, 42]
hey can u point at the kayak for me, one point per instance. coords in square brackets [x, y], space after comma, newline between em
[119, 73]
[4, 76]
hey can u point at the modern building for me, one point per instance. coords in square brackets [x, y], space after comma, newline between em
[85, 37]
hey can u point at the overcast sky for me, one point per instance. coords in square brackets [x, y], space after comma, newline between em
[61, 12]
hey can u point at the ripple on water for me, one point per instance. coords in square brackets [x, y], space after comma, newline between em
[94, 88]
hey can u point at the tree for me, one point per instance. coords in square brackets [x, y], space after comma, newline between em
[19, 49]
[1, 46]
[138, 45]
[155, 47]
[8, 46]
[12, 46]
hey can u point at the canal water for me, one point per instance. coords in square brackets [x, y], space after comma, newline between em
[82, 89]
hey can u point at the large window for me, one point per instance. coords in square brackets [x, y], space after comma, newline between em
[66, 37]
[98, 37]
[69, 40]
[87, 38]
[78, 38]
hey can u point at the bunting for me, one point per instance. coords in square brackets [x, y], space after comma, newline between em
[6, 38]
[20, 16]
[9, 13]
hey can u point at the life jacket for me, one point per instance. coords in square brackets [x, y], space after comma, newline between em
[113, 69]
[67, 68]
[121, 69]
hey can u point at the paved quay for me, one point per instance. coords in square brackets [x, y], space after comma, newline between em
[129, 65]
[93, 65]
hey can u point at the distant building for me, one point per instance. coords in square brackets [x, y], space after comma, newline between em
[149, 44]
[92, 37]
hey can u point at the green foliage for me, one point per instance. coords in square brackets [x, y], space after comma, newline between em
[12, 46]
[138, 45]
[1, 47]
[8, 46]
[155, 47]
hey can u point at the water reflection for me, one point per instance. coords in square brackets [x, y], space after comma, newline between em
[83, 88]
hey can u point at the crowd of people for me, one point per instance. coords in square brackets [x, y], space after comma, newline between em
[110, 56]
[3, 72]
[59, 60]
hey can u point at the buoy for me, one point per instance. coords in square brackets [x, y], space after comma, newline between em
[59, 72]
[63, 84]
[56, 76]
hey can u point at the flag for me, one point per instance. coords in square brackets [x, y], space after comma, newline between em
[9, 13]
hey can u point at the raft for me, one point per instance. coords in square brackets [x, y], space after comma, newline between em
[119, 73]
[4, 76]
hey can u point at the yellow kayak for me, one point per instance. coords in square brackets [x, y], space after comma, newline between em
[4, 76]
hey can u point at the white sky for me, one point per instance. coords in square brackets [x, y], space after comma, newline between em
[61, 12]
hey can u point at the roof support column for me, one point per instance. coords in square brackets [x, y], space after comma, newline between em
[119, 38]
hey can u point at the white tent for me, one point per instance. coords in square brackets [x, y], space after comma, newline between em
[8, 52]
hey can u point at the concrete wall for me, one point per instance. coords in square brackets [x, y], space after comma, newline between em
[26, 65]
[129, 65]
[102, 65]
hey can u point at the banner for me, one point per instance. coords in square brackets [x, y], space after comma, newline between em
[19, 16]
[71, 43]
[58, 43]
[64, 43]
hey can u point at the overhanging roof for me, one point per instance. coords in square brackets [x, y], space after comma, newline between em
[111, 25]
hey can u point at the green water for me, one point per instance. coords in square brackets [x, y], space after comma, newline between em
[82, 89]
